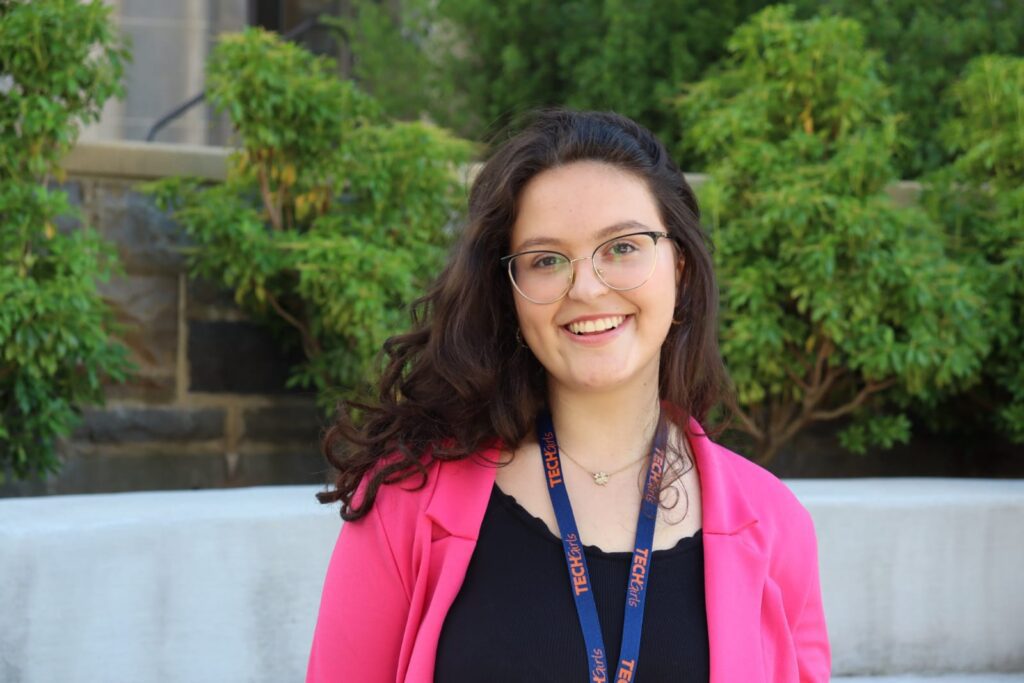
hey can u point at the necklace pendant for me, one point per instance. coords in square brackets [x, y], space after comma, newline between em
[600, 478]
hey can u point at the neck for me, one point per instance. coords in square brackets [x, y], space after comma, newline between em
[607, 429]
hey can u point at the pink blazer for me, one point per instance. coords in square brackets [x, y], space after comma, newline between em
[395, 573]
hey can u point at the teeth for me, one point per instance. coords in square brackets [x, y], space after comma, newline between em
[599, 325]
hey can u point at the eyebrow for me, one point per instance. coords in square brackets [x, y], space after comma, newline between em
[600, 234]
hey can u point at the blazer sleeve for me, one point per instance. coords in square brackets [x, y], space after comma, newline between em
[810, 635]
[363, 608]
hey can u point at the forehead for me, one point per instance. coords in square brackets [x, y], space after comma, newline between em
[580, 203]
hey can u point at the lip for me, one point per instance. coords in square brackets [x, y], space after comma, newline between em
[598, 338]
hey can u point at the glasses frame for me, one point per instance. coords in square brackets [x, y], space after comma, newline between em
[653, 234]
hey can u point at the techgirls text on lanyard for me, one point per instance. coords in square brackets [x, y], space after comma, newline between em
[579, 575]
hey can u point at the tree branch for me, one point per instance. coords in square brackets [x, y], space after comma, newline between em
[818, 392]
[273, 210]
[282, 200]
[309, 343]
[865, 393]
[827, 347]
[804, 386]
[749, 426]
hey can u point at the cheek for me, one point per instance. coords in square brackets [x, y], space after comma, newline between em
[665, 293]
[660, 307]
[531, 319]
[522, 315]
[661, 320]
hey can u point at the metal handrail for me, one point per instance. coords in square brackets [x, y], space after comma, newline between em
[296, 32]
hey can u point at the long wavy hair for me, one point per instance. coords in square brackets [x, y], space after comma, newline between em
[459, 381]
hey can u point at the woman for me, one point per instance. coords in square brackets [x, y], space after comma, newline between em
[533, 497]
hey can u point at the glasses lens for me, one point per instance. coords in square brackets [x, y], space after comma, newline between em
[542, 276]
[626, 262]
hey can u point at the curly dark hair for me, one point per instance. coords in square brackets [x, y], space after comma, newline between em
[458, 380]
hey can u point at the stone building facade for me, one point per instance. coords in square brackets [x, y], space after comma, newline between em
[208, 405]
[171, 42]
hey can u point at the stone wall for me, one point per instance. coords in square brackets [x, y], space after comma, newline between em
[207, 406]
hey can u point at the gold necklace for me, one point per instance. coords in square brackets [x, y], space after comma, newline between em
[600, 477]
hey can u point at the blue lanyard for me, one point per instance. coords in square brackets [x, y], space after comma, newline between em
[579, 575]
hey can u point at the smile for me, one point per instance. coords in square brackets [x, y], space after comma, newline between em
[595, 326]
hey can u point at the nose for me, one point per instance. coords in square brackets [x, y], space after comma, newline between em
[585, 283]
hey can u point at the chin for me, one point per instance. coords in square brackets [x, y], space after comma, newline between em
[599, 382]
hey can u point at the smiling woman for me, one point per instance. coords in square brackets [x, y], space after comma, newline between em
[579, 301]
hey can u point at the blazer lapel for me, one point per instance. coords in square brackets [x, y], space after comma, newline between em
[735, 567]
[460, 500]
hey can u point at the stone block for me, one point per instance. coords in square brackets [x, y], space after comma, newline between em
[147, 239]
[207, 300]
[73, 189]
[904, 192]
[167, 44]
[147, 308]
[284, 423]
[279, 467]
[108, 472]
[237, 357]
[816, 452]
[131, 425]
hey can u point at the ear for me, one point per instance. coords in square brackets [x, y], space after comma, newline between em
[680, 265]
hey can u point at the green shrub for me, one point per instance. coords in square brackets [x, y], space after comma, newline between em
[331, 220]
[926, 45]
[474, 65]
[395, 58]
[835, 302]
[60, 60]
[979, 197]
[642, 52]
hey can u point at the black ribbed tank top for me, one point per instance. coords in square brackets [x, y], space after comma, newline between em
[514, 618]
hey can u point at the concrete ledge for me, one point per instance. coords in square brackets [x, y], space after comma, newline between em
[903, 192]
[910, 567]
[180, 586]
[920, 578]
[953, 678]
[152, 160]
[147, 160]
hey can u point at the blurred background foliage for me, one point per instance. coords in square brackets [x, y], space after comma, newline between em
[473, 65]
[979, 198]
[60, 60]
[344, 194]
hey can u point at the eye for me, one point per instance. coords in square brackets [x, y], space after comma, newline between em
[620, 248]
[547, 261]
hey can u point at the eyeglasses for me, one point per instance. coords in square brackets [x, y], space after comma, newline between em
[622, 263]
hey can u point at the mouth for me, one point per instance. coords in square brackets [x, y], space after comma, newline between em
[583, 328]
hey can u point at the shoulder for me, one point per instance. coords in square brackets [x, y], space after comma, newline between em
[746, 486]
[443, 491]
[776, 523]
[769, 495]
